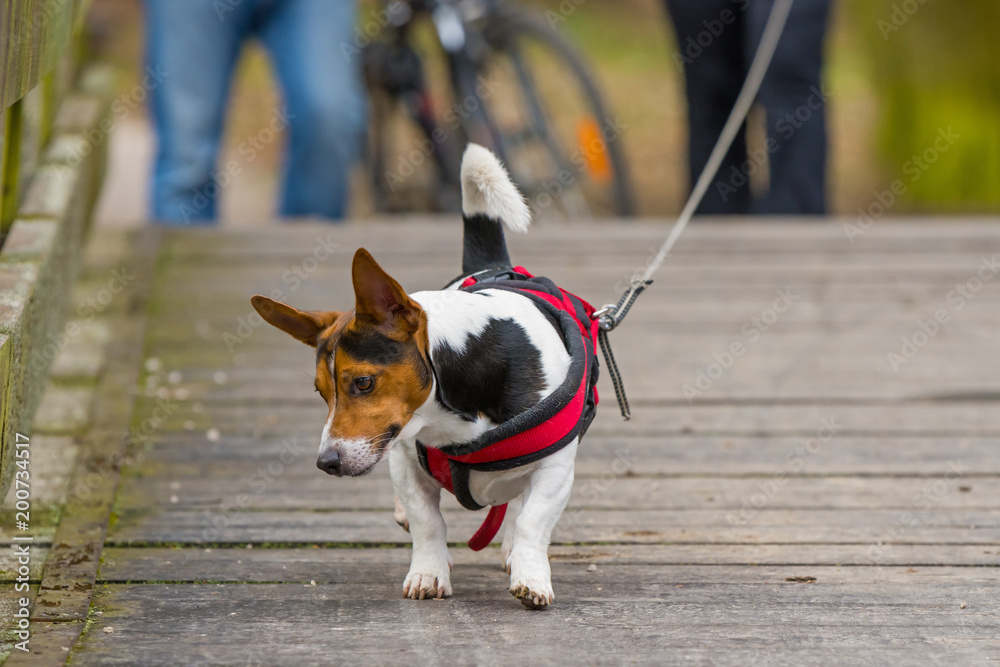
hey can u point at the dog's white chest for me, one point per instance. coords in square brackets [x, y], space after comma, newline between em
[497, 488]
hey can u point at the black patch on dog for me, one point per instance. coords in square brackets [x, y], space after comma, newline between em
[370, 346]
[498, 374]
[484, 246]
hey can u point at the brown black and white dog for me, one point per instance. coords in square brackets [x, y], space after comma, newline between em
[444, 367]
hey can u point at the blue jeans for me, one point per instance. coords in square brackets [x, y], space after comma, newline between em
[194, 44]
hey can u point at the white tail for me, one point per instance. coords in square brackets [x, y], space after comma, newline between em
[487, 190]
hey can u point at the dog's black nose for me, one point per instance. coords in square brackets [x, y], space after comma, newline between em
[329, 462]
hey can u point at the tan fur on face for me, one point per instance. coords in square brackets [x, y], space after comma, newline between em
[384, 337]
[400, 388]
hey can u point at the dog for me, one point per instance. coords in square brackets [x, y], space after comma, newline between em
[483, 388]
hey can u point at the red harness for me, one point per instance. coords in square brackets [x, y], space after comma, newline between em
[541, 430]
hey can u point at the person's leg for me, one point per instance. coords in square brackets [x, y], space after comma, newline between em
[793, 94]
[325, 102]
[193, 48]
[710, 45]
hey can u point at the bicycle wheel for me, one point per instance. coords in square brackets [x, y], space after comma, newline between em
[540, 109]
[413, 165]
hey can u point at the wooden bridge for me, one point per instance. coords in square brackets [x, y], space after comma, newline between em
[811, 476]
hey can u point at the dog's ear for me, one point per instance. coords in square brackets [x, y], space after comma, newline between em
[306, 325]
[379, 298]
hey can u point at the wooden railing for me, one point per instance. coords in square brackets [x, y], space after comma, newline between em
[39, 48]
[52, 104]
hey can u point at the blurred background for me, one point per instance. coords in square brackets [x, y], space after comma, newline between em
[898, 72]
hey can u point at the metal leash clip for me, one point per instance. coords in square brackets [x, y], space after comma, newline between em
[608, 317]
[611, 315]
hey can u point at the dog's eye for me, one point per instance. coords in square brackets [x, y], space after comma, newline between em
[364, 384]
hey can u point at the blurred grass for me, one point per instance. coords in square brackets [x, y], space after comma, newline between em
[936, 65]
[889, 96]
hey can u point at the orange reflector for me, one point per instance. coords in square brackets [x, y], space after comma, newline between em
[588, 135]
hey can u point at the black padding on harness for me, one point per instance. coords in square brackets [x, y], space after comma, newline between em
[579, 347]
[548, 407]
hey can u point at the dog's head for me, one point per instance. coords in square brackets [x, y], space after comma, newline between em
[372, 365]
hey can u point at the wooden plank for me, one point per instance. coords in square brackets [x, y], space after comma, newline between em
[301, 407]
[674, 313]
[760, 236]
[52, 461]
[71, 569]
[434, 272]
[604, 617]
[9, 563]
[888, 419]
[220, 485]
[762, 375]
[748, 255]
[551, 251]
[45, 252]
[723, 312]
[438, 267]
[237, 564]
[36, 35]
[10, 604]
[830, 358]
[51, 464]
[50, 644]
[652, 455]
[31, 140]
[42, 533]
[866, 528]
[677, 347]
[11, 186]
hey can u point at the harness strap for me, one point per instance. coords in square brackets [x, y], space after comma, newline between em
[616, 375]
[540, 434]
[606, 319]
[526, 442]
[439, 467]
[489, 529]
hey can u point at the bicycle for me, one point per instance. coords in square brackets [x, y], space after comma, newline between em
[516, 87]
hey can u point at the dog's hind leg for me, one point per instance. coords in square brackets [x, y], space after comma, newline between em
[399, 513]
[544, 501]
[420, 496]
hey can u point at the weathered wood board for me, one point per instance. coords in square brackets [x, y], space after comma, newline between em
[631, 614]
[808, 457]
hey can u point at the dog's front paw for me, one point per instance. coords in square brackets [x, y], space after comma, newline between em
[536, 596]
[425, 583]
[531, 581]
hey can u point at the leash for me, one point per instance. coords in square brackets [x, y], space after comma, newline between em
[611, 315]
